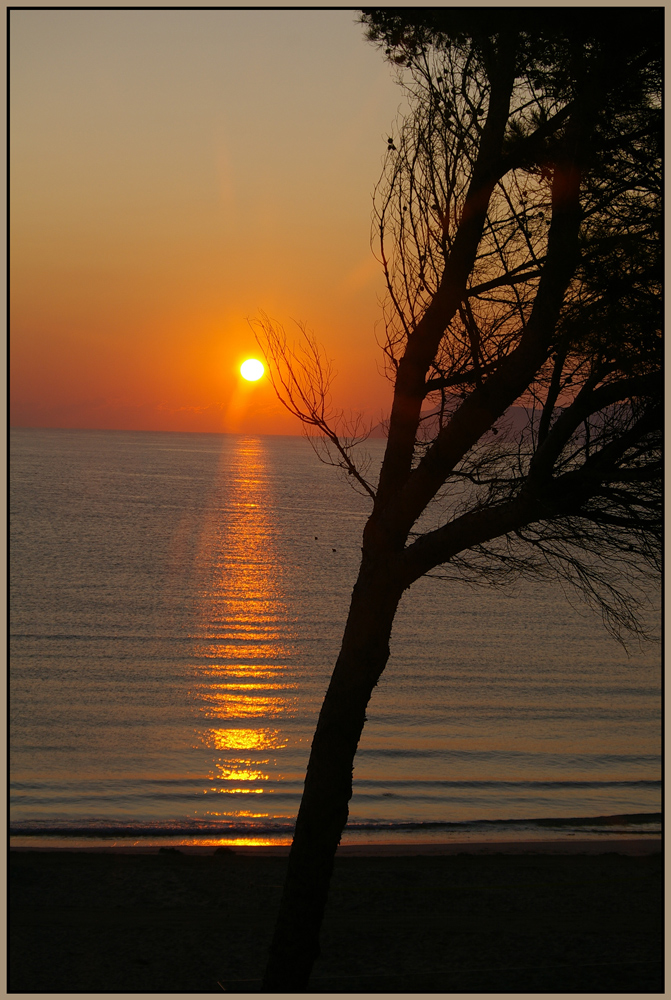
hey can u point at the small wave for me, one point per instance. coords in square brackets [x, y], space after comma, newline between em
[95, 829]
[469, 783]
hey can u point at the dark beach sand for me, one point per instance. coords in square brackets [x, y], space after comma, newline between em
[500, 918]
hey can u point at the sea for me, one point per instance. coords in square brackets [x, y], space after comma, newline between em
[176, 607]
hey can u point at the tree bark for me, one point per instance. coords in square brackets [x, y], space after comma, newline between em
[328, 784]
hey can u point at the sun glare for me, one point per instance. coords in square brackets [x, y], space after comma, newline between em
[251, 369]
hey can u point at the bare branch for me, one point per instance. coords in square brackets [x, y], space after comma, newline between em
[301, 376]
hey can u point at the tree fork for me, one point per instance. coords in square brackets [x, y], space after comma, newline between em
[590, 322]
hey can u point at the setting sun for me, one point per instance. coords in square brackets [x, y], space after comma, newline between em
[251, 369]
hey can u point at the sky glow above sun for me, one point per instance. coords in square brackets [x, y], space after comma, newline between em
[251, 369]
[175, 174]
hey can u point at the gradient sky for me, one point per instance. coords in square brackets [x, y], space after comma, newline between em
[174, 172]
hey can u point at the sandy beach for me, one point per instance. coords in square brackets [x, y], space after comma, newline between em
[550, 917]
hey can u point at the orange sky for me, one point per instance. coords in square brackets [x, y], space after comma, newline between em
[172, 174]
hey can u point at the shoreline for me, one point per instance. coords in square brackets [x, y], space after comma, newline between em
[631, 846]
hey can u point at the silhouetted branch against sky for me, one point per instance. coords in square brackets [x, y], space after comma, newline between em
[517, 224]
[302, 375]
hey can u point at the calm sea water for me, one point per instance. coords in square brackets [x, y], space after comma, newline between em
[177, 602]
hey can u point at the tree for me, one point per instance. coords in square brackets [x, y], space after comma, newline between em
[518, 226]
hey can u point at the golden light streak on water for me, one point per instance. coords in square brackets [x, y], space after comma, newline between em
[245, 671]
[242, 707]
[238, 773]
[232, 791]
[249, 687]
[245, 739]
[243, 602]
[242, 633]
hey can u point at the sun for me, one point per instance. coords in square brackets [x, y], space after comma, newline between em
[251, 369]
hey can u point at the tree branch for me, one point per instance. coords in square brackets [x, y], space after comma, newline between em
[302, 384]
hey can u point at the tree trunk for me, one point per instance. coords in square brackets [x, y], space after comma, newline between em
[328, 783]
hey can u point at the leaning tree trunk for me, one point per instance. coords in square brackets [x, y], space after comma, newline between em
[328, 783]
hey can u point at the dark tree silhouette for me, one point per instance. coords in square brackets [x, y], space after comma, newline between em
[518, 225]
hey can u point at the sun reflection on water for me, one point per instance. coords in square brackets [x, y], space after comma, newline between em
[221, 703]
[233, 791]
[243, 640]
[245, 739]
[244, 771]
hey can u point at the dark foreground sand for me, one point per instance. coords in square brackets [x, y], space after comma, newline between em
[477, 922]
